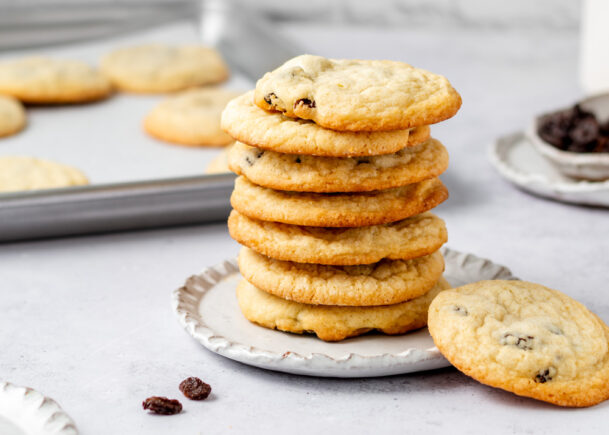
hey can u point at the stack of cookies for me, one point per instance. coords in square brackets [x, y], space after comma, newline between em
[337, 176]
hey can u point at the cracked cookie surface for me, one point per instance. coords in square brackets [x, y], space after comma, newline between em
[524, 338]
[336, 209]
[383, 283]
[303, 173]
[248, 123]
[332, 323]
[357, 95]
[191, 118]
[158, 68]
[412, 237]
[12, 116]
[45, 80]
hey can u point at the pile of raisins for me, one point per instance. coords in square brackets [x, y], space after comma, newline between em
[575, 130]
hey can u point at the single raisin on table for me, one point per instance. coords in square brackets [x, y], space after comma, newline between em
[195, 388]
[162, 405]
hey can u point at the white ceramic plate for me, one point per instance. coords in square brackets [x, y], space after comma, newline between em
[24, 411]
[207, 307]
[520, 163]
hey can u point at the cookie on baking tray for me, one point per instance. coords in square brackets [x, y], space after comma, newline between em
[524, 338]
[305, 173]
[158, 68]
[332, 323]
[44, 80]
[12, 116]
[412, 237]
[191, 118]
[249, 124]
[336, 209]
[27, 173]
[383, 283]
[357, 95]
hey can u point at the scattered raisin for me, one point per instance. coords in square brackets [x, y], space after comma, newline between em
[545, 375]
[524, 342]
[462, 311]
[162, 405]
[195, 388]
[305, 102]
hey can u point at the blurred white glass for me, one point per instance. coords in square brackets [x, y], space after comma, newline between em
[594, 47]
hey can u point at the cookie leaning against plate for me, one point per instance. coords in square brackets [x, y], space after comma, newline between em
[357, 95]
[248, 123]
[27, 173]
[304, 173]
[158, 68]
[383, 283]
[524, 338]
[12, 116]
[191, 118]
[412, 237]
[44, 80]
[334, 323]
[336, 209]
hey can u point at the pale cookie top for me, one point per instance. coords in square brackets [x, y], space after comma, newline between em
[383, 283]
[336, 209]
[46, 80]
[524, 338]
[28, 173]
[158, 68]
[332, 323]
[248, 123]
[402, 240]
[191, 117]
[357, 95]
[304, 173]
[12, 116]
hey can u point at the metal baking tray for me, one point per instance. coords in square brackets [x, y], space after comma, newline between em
[136, 181]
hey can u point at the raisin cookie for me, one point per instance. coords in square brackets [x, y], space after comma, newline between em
[357, 95]
[336, 209]
[12, 116]
[248, 123]
[302, 173]
[334, 323]
[524, 338]
[28, 173]
[43, 80]
[412, 237]
[191, 118]
[383, 283]
[158, 68]
[219, 164]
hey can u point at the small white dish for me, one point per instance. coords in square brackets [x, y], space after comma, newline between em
[518, 161]
[24, 411]
[583, 166]
[207, 308]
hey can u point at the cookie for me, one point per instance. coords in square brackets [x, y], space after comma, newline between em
[304, 173]
[334, 323]
[383, 283]
[413, 237]
[28, 173]
[158, 68]
[43, 80]
[219, 164]
[336, 209]
[249, 124]
[357, 95]
[524, 338]
[12, 116]
[191, 118]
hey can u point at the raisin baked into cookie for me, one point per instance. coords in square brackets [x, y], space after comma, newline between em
[357, 95]
[524, 338]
